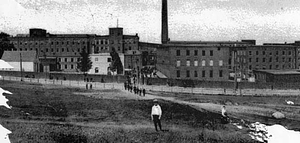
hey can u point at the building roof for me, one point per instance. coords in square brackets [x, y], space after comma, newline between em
[206, 43]
[14, 56]
[279, 72]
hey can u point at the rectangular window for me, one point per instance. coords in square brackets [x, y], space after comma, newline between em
[188, 63]
[220, 73]
[257, 53]
[250, 60]
[195, 63]
[203, 73]
[211, 73]
[72, 66]
[72, 60]
[196, 52]
[250, 52]
[178, 63]
[178, 73]
[211, 63]
[257, 60]
[203, 53]
[187, 52]
[187, 73]
[203, 63]
[221, 63]
[178, 53]
[66, 66]
[66, 59]
[211, 53]
[195, 74]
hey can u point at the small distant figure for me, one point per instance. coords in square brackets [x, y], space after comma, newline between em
[224, 113]
[156, 113]
[225, 119]
[140, 92]
[125, 85]
[144, 92]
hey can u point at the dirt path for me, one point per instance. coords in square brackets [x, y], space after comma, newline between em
[248, 113]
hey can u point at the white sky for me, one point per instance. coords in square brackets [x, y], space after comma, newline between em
[206, 20]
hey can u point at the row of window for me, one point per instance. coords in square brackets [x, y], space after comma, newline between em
[204, 73]
[271, 53]
[108, 59]
[53, 43]
[65, 67]
[53, 50]
[271, 59]
[271, 67]
[188, 53]
[70, 59]
[203, 63]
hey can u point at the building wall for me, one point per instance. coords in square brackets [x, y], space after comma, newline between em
[101, 62]
[26, 66]
[164, 61]
[66, 48]
[271, 57]
[61, 48]
[200, 63]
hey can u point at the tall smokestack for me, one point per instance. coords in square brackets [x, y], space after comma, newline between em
[164, 22]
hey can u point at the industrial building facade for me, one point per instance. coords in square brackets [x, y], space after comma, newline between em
[61, 52]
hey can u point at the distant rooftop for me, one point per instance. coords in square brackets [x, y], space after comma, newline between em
[14, 56]
[279, 72]
[207, 43]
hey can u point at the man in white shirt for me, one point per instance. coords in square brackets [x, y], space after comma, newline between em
[156, 114]
[223, 111]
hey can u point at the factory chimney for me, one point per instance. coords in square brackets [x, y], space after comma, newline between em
[164, 20]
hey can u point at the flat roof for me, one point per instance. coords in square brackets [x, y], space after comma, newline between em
[279, 72]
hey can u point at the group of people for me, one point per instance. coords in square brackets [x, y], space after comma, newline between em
[156, 114]
[135, 89]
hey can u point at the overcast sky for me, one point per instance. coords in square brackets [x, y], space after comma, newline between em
[205, 20]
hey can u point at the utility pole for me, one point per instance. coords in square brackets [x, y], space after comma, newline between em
[235, 69]
[21, 67]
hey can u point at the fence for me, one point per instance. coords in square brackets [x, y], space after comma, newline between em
[163, 88]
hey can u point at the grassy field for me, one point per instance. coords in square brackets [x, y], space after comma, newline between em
[49, 113]
[251, 108]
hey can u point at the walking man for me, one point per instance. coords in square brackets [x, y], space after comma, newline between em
[156, 114]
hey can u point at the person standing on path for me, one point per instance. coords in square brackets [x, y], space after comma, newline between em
[156, 113]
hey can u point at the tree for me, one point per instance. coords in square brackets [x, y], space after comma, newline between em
[116, 64]
[5, 43]
[85, 63]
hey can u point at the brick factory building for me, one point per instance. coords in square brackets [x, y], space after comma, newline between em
[61, 52]
[221, 61]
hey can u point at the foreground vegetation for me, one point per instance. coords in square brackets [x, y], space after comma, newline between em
[251, 108]
[49, 113]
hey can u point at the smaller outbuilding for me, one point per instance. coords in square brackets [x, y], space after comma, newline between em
[26, 59]
[277, 75]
